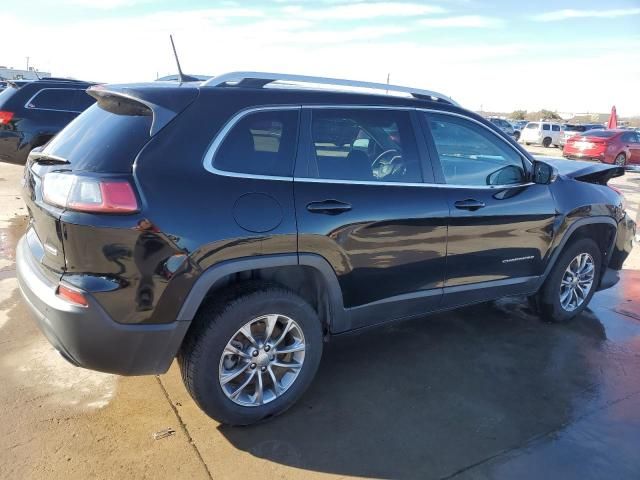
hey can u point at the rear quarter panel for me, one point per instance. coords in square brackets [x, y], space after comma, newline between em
[577, 201]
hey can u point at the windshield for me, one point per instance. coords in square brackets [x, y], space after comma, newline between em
[532, 125]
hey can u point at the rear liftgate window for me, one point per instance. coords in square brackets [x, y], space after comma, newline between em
[105, 137]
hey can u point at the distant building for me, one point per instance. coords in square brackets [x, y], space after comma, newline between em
[14, 74]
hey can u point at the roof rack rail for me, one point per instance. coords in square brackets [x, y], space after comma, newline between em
[260, 79]
[62, 79]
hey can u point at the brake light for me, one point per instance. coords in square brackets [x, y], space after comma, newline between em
[89, 194]
[5, 117]
[72, 296]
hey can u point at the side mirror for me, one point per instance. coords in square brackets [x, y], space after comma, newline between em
[544, 173]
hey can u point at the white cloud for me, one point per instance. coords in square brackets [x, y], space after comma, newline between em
[503, 76]
[360, 11]
[466, 21]
[558, 15]
[104, 4]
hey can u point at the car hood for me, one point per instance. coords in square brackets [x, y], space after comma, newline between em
[591, 172]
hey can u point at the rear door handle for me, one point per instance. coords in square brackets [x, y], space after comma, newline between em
[329, 207]
[469, 204]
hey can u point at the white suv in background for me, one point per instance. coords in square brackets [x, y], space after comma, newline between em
[544, 133]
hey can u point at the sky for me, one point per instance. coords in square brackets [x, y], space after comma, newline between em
[572, 56]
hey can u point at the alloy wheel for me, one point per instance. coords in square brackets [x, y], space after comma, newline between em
[620, 160]
[577, 282]
[262, 360]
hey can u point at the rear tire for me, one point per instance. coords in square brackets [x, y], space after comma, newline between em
[527, 143]
[209, 367]
[551, 301]
[546, 142]
[620, 160]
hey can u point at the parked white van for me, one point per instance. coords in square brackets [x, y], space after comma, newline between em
[545, 133]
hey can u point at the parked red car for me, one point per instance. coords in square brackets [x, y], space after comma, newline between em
[619, 147]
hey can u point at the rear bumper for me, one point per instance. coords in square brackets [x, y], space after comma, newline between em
[87, 336]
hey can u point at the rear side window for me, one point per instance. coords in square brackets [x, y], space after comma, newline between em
[472, 155]
[365, 145]
[103, 140]
[261, 143]
[54, 99]
[555, 128]
[83, 100]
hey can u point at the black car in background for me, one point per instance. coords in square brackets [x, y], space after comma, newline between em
[31, 113]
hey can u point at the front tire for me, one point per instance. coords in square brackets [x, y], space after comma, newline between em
[251, 354]
[621, 160]
[571, 283]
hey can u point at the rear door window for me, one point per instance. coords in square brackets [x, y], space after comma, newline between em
[261, 143]
[546, 126]
[62, 99]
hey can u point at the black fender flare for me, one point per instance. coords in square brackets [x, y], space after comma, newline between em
[559, 247]
[338, 318]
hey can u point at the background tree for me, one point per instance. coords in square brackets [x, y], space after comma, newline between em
[518, 115]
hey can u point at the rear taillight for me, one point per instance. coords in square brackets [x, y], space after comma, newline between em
[5, 117]
[89, 194]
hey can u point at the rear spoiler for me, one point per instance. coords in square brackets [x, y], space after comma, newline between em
[164, 106]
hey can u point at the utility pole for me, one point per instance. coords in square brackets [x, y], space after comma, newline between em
[27, 64]
[388, 76]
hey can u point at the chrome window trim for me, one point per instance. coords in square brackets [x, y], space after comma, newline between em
[26, 105]
[224, 131]
[406, 184]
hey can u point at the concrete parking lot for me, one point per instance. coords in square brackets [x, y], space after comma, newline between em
[489, 391]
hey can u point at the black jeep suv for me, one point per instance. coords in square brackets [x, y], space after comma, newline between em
[240, 222]
[31, 113]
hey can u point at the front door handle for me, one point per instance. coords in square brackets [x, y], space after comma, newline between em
[329, 207]
[469, 204]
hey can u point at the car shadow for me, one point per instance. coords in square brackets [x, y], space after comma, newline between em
[430, 397]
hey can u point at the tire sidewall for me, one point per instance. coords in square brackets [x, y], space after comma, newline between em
[208, 391]
[549, 299]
